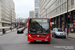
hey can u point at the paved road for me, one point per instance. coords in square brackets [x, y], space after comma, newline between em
[14, 41]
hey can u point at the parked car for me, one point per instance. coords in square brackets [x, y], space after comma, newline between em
[58, 32]
[20, 30]
[26, 26]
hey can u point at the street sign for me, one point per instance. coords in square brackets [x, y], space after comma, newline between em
[62, 22]
[68, 16]
[12, 24]
[52, 22]
[71, 24]
[55, 22]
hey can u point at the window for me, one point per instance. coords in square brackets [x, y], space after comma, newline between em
[72, 3]
[65, 6]
[36, 5]
[5, 20]
[60, 1]
[56, 11]
[60, 8]
[69, 4]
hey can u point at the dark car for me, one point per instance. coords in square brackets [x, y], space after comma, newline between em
[20, 30]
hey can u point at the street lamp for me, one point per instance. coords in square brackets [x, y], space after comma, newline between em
[11, 23]
[67, 17]
[46, 11]
[17, 20]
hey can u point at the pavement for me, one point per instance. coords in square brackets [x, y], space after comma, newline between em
[71, 35]
[8, 31]
[14, 41]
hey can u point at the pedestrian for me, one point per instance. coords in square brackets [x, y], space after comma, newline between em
[4, 31]
[10, 28]
[63, 29]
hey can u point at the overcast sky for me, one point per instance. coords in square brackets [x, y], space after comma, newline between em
[22, 7]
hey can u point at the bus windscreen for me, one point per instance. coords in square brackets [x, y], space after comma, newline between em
[39, 26]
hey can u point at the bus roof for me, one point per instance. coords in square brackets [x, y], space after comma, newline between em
[38, 18]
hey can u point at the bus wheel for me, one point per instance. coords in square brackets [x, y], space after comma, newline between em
[29, 42]
[48, 42]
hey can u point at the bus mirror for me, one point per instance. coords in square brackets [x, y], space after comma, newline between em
[50, 25]
[27, 24]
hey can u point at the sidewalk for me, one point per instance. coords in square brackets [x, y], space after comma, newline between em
[8, 31]
[71, 35]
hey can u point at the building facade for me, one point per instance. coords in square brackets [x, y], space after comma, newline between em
[7, 13]
[57, 11]
[37, 8]
[21, 21]
[31, 14]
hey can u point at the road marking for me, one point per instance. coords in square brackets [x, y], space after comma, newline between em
[70, 38]
[7, 33]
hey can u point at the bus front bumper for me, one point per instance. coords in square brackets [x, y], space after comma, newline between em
[39, 39]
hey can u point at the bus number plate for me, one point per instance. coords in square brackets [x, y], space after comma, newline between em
[38, 40]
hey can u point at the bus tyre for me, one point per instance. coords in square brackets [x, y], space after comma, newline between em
[22, 32]
[48, 42]
[30, 42]
[65, 37]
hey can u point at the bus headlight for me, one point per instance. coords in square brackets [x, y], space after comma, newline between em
[29, 36]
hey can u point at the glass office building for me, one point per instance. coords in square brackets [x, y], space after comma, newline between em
[37, 8]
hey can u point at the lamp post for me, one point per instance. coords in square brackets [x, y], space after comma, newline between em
[17, 20]
[67, 17]
[11, 23]
[20, 21]
[46, 11]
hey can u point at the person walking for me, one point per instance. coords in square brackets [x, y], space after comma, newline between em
[4, 31]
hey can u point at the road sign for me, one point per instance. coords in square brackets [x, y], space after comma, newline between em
[71, 24]
[12, 24]
[52, 22]
[68, 16]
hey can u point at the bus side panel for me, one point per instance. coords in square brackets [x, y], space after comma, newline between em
[28, 29]
[50, 29]
[28, 38]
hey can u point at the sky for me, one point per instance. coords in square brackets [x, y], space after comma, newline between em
[22, 8]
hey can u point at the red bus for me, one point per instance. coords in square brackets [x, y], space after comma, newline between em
[39, 30]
